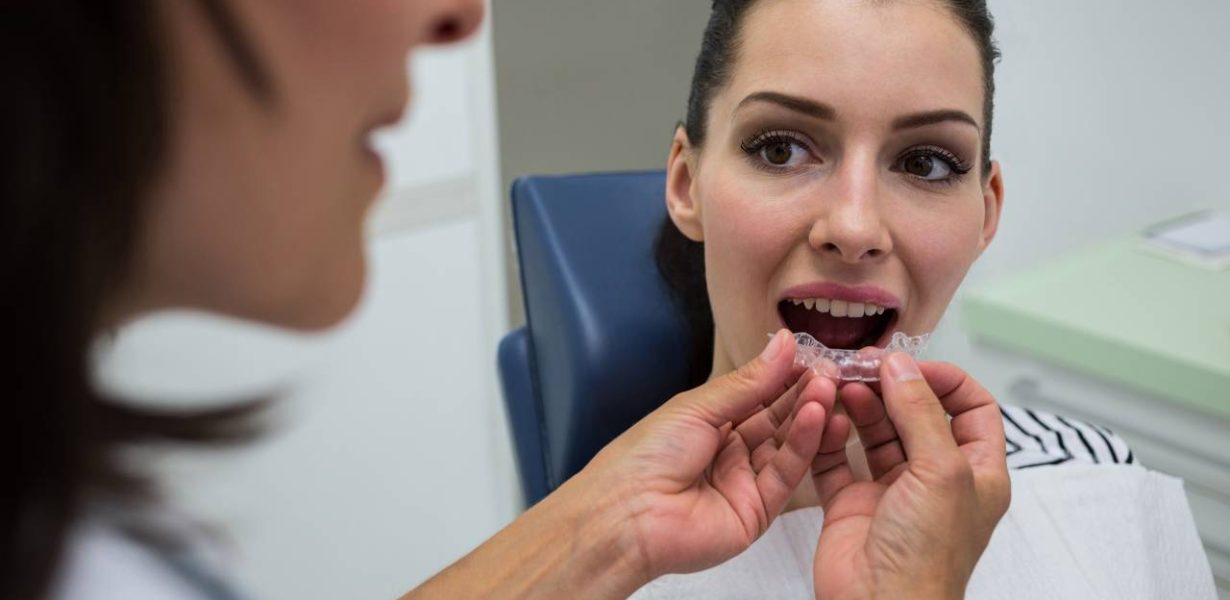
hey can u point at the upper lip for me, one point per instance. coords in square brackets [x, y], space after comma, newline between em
[867, 294]
[385, 120]
[367, 135]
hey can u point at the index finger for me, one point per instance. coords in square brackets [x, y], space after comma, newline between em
[920, 420]
[978, 428]
[977, 425]
[735, 396]
[764, 424]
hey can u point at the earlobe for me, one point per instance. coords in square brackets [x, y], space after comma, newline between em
[993, 205]
[681, 203]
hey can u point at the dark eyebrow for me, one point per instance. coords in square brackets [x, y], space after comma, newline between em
[932, 117]
[811, 108]
[824, 112]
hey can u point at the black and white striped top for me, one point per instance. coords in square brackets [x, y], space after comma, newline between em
[1037, 438]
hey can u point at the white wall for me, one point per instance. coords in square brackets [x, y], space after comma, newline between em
[1110, 115]
[390, 456]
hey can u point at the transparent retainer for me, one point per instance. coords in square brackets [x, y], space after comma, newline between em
[853, 365]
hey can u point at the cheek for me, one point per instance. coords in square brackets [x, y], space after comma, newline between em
[746, 242]
[744, 235]
[261, 227]
[260, 211]
[937, 248]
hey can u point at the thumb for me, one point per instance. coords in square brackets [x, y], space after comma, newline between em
[737, 395]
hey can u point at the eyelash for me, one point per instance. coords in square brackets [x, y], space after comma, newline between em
[755, 144]
[959, 167]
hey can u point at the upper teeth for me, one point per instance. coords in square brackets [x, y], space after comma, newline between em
[840, 308]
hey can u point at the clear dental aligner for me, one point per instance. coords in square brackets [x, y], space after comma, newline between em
[853, 365]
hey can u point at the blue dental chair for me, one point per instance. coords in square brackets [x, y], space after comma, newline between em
[604, 342]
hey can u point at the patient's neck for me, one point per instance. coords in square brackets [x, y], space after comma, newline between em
[722, 364]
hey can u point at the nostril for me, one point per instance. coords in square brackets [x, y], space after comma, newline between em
[448, 30]
[833, 248]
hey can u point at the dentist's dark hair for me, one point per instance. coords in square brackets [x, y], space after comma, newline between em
[681, 260]
[85, 119]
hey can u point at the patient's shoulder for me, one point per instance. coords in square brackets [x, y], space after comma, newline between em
[1038, 438]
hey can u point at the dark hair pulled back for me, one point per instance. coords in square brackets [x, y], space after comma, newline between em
[85, 121]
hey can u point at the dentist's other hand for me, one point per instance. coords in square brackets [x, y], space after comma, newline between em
[938, 490]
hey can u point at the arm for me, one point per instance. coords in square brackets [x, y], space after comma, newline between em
[559, 548]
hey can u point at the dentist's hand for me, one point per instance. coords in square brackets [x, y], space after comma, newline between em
[690, 486]
[701, 478]
[938, 490]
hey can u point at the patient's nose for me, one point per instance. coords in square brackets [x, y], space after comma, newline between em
[849, 226]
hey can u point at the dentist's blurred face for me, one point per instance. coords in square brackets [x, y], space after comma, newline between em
[259, 210]
[839, 190]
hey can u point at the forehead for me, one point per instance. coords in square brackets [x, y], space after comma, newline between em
[870, 59]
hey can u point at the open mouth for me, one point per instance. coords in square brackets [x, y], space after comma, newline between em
[838, 323]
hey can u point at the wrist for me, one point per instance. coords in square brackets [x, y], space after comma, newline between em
[603, 546]
[920, 589]
[565, 546]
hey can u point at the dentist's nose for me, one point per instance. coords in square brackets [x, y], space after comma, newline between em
[451, 21]
[851, 228]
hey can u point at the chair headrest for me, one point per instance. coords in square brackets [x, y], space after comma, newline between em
[608, 342]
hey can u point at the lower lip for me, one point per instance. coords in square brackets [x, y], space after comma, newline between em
[373, 159]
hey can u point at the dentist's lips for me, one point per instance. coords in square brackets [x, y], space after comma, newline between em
[840, 316]
[372, 157]
[367, 144]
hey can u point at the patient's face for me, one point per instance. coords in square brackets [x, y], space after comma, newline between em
[839, 190]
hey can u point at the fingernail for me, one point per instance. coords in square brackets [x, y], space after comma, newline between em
[773, 349]
[902, 367]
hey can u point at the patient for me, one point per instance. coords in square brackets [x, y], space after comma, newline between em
[834, 176]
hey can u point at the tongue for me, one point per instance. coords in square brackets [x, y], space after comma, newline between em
[834, 332]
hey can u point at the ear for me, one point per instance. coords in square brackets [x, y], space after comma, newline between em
[681, 202]
[993, 205]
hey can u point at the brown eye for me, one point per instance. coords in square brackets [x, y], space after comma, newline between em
[919, 165]
[778, 153]
[926, 166]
